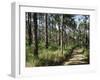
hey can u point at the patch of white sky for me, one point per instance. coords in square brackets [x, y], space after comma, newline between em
[78, 18]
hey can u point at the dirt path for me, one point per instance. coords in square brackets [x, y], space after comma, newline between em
[76, 58]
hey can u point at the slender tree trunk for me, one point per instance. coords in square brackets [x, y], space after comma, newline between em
[29, 29]
[51, 29]
[56, 37]
[49, 22]
[50, 33]
[46, 32]
[59, 35]
[35, 35]
[62, 34]
[27, 35]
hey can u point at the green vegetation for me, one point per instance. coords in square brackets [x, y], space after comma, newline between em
[49, 57]
[52, 39]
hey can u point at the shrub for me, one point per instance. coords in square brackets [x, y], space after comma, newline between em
[86, 53]
[29, 53]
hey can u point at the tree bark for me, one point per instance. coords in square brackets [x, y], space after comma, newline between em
[35, 35]
[46, 32]
[29, 29]
[62, 34]
[59, 35]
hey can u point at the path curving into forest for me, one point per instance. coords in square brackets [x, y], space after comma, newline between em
[76, 58]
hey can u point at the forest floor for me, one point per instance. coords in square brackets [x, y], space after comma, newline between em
[76, 58]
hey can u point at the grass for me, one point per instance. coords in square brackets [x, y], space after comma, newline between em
[52, 56]
[47, 57]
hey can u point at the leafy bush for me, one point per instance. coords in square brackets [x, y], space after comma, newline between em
[53, 47]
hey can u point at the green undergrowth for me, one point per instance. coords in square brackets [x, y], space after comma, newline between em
[48, 57]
